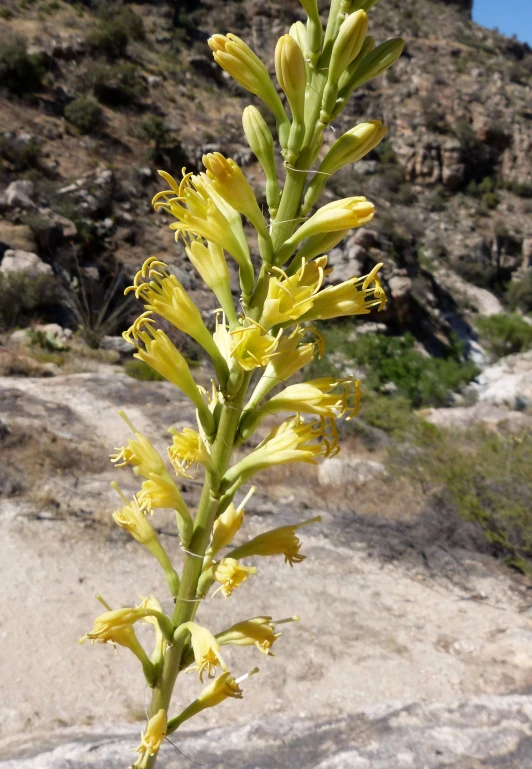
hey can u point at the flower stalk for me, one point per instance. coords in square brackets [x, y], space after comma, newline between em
[260, 340]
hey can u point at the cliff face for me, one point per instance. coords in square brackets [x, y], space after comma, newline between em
[451, 183]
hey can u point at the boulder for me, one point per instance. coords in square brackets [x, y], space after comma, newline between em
[466, 417]
[480, 299]
[339, 472]
[507, 382]
[19, 194]
[15, 236]
[24, 261]
[116, 344]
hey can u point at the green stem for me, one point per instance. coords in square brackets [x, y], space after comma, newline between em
[205, 516]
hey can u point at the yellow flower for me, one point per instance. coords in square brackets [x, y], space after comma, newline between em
[216, 692]
[156, 349]
[132, 518]
[152, 739]
[228, 180]
[281, 541]
[356, 296]
[236, 58]
[290, 297]
[291, 357]
[115, 627]
[188, 448]
[292, 441]
[160, 492]
[227, 525]
[231, 574]
[210, 263]
[250, 346]
[259, 632]
[326, 397]
[139, 453]
[200, 211]
[206, 650]
[166, 296]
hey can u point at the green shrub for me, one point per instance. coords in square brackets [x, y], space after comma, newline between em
[519, 293]
[123, 17]
[490, 201]
[115, 84]
[505, 334]
[19, 72]
[84, 113]
[22, 294]
[391, 414]
[486, 477]
[19, 156]
[421, 380]
[110, 40]
[137, 369]
[165, 146]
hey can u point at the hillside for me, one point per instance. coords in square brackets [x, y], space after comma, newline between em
[451, 183]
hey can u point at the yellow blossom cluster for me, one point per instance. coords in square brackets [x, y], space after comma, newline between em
[257, 339]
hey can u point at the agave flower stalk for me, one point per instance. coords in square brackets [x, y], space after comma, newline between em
[260, 340]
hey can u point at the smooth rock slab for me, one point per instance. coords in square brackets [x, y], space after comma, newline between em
[481, 733]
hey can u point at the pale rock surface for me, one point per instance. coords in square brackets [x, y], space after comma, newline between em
[338, 472]
[465, 417]
[507, 382]
[19, 194]
[482, 300]
[24, 261]
[408, 640]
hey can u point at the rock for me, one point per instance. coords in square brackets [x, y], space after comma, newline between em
[104, 177]
[116, 344]
[154, 81]
[465, 417]
[482, 300]
[24, 261]
[453, 169]
[19, 194]
[527, 254]
[496, 730]
[366, 238]
[53, 332]
[400, 286]
[339, 472]
[15, 237]
[506, 382]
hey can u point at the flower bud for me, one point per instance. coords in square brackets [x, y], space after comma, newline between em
[346, 48]
[292, 77]
[339, 215]
[373, 64]
[299, 34]
[261, 142]
[314, 30]
[233, 55]
[227, 525]
[349, 148]
[228, 180]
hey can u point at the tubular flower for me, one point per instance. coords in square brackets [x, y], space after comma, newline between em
[327, 397]
[166, 296]
[226, 526]
[356, 296]
[292, 441]
[187, 449]
[250, 346]
[281, 541]
[193, 204]
[160, 641]
[228, 180]
[132, 518]
[210, 263]
[139, 453]
[291, 357]
[231, 574]
[156, 349]
[217, 691]
[152, 739]
[115, 627]
[261, 142]
[206, 650]
[290, 297]
[259, 632]
[236, 58]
